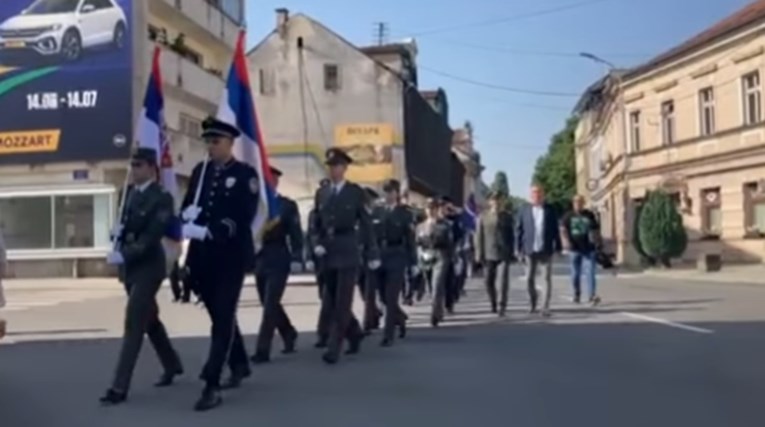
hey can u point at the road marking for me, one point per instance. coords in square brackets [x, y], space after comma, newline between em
[666, 322]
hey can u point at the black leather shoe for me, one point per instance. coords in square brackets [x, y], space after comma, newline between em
[329, 359]
[210, 399]
[290, 345]
[113, 397]
[260, 358]
[386, 342]
[167, 379]
[402, 330]
[235, 380]
[434, 322]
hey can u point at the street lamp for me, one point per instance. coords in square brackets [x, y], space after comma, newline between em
[615, 73]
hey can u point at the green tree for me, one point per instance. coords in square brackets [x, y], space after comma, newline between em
[662, 234]
[555, 170]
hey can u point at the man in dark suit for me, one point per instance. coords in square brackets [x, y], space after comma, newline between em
[495, 249]
[344, 237]
[141, 259]
[538, 241]
[282, 250]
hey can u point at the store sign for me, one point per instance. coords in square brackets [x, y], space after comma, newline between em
[65, 80]
[371, 148]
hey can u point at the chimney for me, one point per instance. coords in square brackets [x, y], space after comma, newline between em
[282, 17]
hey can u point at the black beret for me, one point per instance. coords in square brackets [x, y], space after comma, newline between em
[276, 172]
[145, 154]
[213, 127]
[336, 156]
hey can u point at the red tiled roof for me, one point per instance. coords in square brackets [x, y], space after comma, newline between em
[749, 15]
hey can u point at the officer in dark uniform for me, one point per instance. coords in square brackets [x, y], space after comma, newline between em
[219, 225]
[451, 215]
[311, 234]
[368, 283]
[343, 226]
[141, 258]
[282, 249]
[394, 231]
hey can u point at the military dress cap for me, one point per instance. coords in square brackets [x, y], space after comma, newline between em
[392, 185]
[276, 172]
[144, 154]
[213, 127]
[336, 156]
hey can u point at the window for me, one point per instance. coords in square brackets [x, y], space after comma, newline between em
[750, 85]
[80, 221]
[707, 111]
[754, 208]
[711, 212]
[635, 131]
[267, 82]
[190, 126]
[331, 77]
[668, 122]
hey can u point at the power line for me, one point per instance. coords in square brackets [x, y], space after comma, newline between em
[528, 52]
[496, 86]
[511, 18]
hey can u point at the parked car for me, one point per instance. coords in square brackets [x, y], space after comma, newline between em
[63, 29]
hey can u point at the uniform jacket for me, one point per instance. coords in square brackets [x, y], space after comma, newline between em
[495, 236]
[342, 222]
[394, 229]
[283, 242]
[526, 231]
[146, 217]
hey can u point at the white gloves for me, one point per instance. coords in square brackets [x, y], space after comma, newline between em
[374, 264]
[115, 258]
[191, 213]
[195, 232]
[319, 251]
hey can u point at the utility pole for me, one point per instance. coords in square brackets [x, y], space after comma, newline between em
[381, 33]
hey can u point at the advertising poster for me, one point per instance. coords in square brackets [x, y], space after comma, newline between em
[65, 80]
[371, 148]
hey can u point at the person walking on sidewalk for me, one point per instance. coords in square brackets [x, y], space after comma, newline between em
[495, 250]
[580, 233]
[538, 241]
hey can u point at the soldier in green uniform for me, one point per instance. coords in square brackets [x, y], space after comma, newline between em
[139, 253]
[395, 236]
[343, 228]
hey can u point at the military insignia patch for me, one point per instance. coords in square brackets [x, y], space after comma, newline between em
[254, 185]
[230, 181]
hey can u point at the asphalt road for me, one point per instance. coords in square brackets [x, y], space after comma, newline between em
[655, 353]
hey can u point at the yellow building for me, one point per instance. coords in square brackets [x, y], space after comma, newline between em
[59, 201]
[694, 126]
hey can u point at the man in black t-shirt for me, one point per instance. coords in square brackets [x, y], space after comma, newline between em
[580, 234]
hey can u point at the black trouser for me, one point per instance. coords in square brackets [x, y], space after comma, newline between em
[491, 282]
[337, 311]
[369, 289]
[271, 284]
[451, 292]
[221, 298]
[389, 279]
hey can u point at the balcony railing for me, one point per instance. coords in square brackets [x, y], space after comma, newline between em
[208, 17]
[184, 74]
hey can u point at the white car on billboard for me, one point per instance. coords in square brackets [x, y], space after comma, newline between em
[64, 28]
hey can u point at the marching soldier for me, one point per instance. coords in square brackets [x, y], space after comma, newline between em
[282, 249]
[221, 251]
[368, 283]
[399, 255]
[311, 233]
[495, 250]
[343, 226]
[141, 258]
[437, 237]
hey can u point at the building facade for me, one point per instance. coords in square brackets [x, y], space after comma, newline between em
[316, 90]
[63, 162]
[690, 122]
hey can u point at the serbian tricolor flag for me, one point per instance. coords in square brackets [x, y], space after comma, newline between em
[152, 131]
[237, 107]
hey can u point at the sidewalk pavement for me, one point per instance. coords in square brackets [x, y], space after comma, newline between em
[741, 274]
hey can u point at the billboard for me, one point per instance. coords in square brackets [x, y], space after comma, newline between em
[370, 145]
[65, 80]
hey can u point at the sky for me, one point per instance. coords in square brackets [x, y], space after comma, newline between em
[480, 51]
